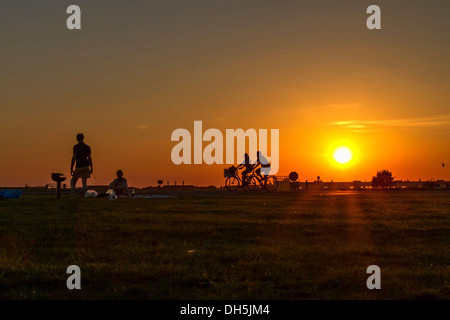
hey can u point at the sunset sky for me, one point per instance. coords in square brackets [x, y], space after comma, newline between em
[137, 70]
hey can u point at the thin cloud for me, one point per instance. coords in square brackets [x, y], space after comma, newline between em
[142, 126]
[341, 105]
[423, 122]
[325, 107]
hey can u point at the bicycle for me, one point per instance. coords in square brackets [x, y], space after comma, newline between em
[234, 181]
[269, 183]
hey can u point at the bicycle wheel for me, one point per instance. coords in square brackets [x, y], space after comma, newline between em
[271, 183]
[232, 183]
[252, 183]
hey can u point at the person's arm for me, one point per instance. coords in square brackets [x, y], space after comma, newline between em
[113, 184]
[72, 163]
[90, 163]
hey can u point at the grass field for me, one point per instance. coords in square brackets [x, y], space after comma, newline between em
[223, 245]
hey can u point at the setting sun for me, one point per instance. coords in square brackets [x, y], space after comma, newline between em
[342, 155]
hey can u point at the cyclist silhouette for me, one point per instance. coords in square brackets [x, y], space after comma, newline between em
[248, 168]
[251, 179]
[265, 166]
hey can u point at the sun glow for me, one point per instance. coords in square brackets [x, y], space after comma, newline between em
[342, 155]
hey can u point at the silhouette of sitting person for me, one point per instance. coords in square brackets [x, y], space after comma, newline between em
[120, 185]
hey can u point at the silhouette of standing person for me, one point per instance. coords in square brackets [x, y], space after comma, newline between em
[83, 168]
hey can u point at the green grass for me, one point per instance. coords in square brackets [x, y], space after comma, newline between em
[247, 246]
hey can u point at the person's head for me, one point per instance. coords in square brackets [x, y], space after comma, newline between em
[246, 158]
[119, 174]
[80, 137]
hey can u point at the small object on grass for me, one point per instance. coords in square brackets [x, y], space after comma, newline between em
[10, 194]
[112, 196]
[91, 194]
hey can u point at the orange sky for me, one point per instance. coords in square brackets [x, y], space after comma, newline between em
[137, 71]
